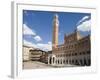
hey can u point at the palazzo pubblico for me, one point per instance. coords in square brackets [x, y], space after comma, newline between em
[75, 50]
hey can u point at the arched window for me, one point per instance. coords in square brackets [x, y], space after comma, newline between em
[66, 61]
[75, 54]
[61, 61]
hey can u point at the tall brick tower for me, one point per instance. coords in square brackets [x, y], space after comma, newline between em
[55, 31]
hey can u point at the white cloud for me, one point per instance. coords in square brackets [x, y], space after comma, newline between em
[45, 47]
[84, 26]
[49, 43]
[83, 19]
[42, 46]
[27, 30]
[27, 43]
[37, 38]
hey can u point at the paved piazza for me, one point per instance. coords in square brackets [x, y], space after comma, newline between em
[34, 65]
[37, 65]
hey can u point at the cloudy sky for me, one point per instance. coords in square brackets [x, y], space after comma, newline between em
[38, 26]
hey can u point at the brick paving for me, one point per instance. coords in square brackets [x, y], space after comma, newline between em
[39, 65]
[34, 65]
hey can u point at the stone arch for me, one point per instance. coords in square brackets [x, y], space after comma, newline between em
[53, 59]
[80, 62]
[89, 62]
[72, 61]
[58, 61]
[61, 61]
[66, 61]
[50, 60]
[85, 63]
[76, 62]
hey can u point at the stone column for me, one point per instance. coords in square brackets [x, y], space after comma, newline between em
[48, 60]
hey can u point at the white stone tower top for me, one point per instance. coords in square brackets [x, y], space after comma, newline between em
[56, 21]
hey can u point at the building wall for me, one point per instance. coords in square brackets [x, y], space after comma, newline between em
[36, 55]
[75, 50]
[26, 53]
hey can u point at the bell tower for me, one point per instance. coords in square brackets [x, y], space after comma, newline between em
[55, 31]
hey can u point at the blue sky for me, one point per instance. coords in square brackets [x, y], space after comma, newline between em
[40, 25]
